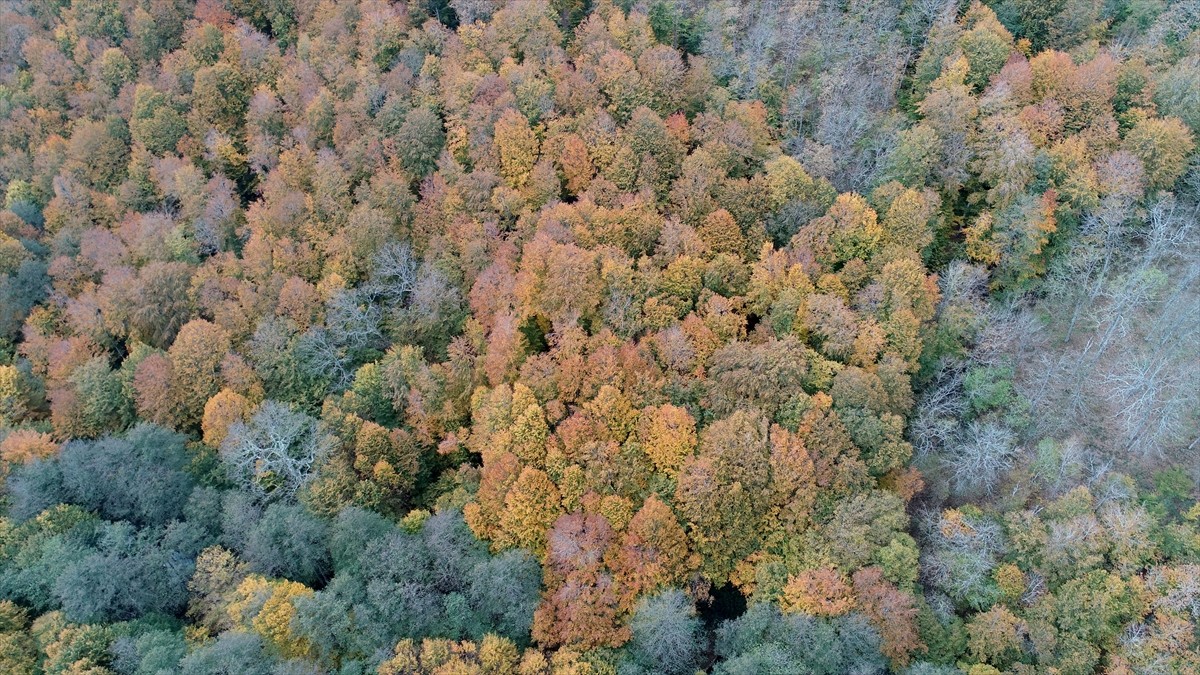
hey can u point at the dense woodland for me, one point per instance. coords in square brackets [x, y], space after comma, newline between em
[598, 338]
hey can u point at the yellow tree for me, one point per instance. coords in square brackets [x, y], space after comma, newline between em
[517, 145]
[575, 163]
[793, 484]
[850, 229]
[909, 216]
[668, 437]
[387, 462]
[995, 636]
[722, 234]
[722, 522]
[819, 592]
[1164, 146]
[15, 395]
[222, 410]
[267, 607]
[787, 181]
[530, 508]
[196, 357]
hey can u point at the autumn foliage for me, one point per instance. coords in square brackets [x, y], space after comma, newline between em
[569, 338]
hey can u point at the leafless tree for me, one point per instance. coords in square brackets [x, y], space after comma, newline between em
[274, 452]
[978, 462]
[321, 354]
[935, 426]
[353, 321]
[956, 559]
[1179, 587]
[470, 11]
[921, 15]
[395, 272]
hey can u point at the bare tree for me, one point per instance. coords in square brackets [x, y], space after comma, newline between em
[935, 426]
[960, 555]
[321, 354]
[470, 11]
[395, 272]
[978, 462]
[274, 452]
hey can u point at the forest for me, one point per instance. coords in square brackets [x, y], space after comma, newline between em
[599, 337]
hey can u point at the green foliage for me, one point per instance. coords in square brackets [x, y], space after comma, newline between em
[673, 26]
[440, 581]
[1174, 490]
[764, 640]
[19, 293]
[145, 478]
[419, 140]
[666, 636]
[288, 542]
[155, 123]
[220, 95]
[231, 652]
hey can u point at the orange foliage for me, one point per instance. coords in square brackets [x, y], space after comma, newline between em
[893, 613]
[820, 592]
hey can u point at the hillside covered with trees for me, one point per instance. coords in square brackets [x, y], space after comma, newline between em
[472, 337]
